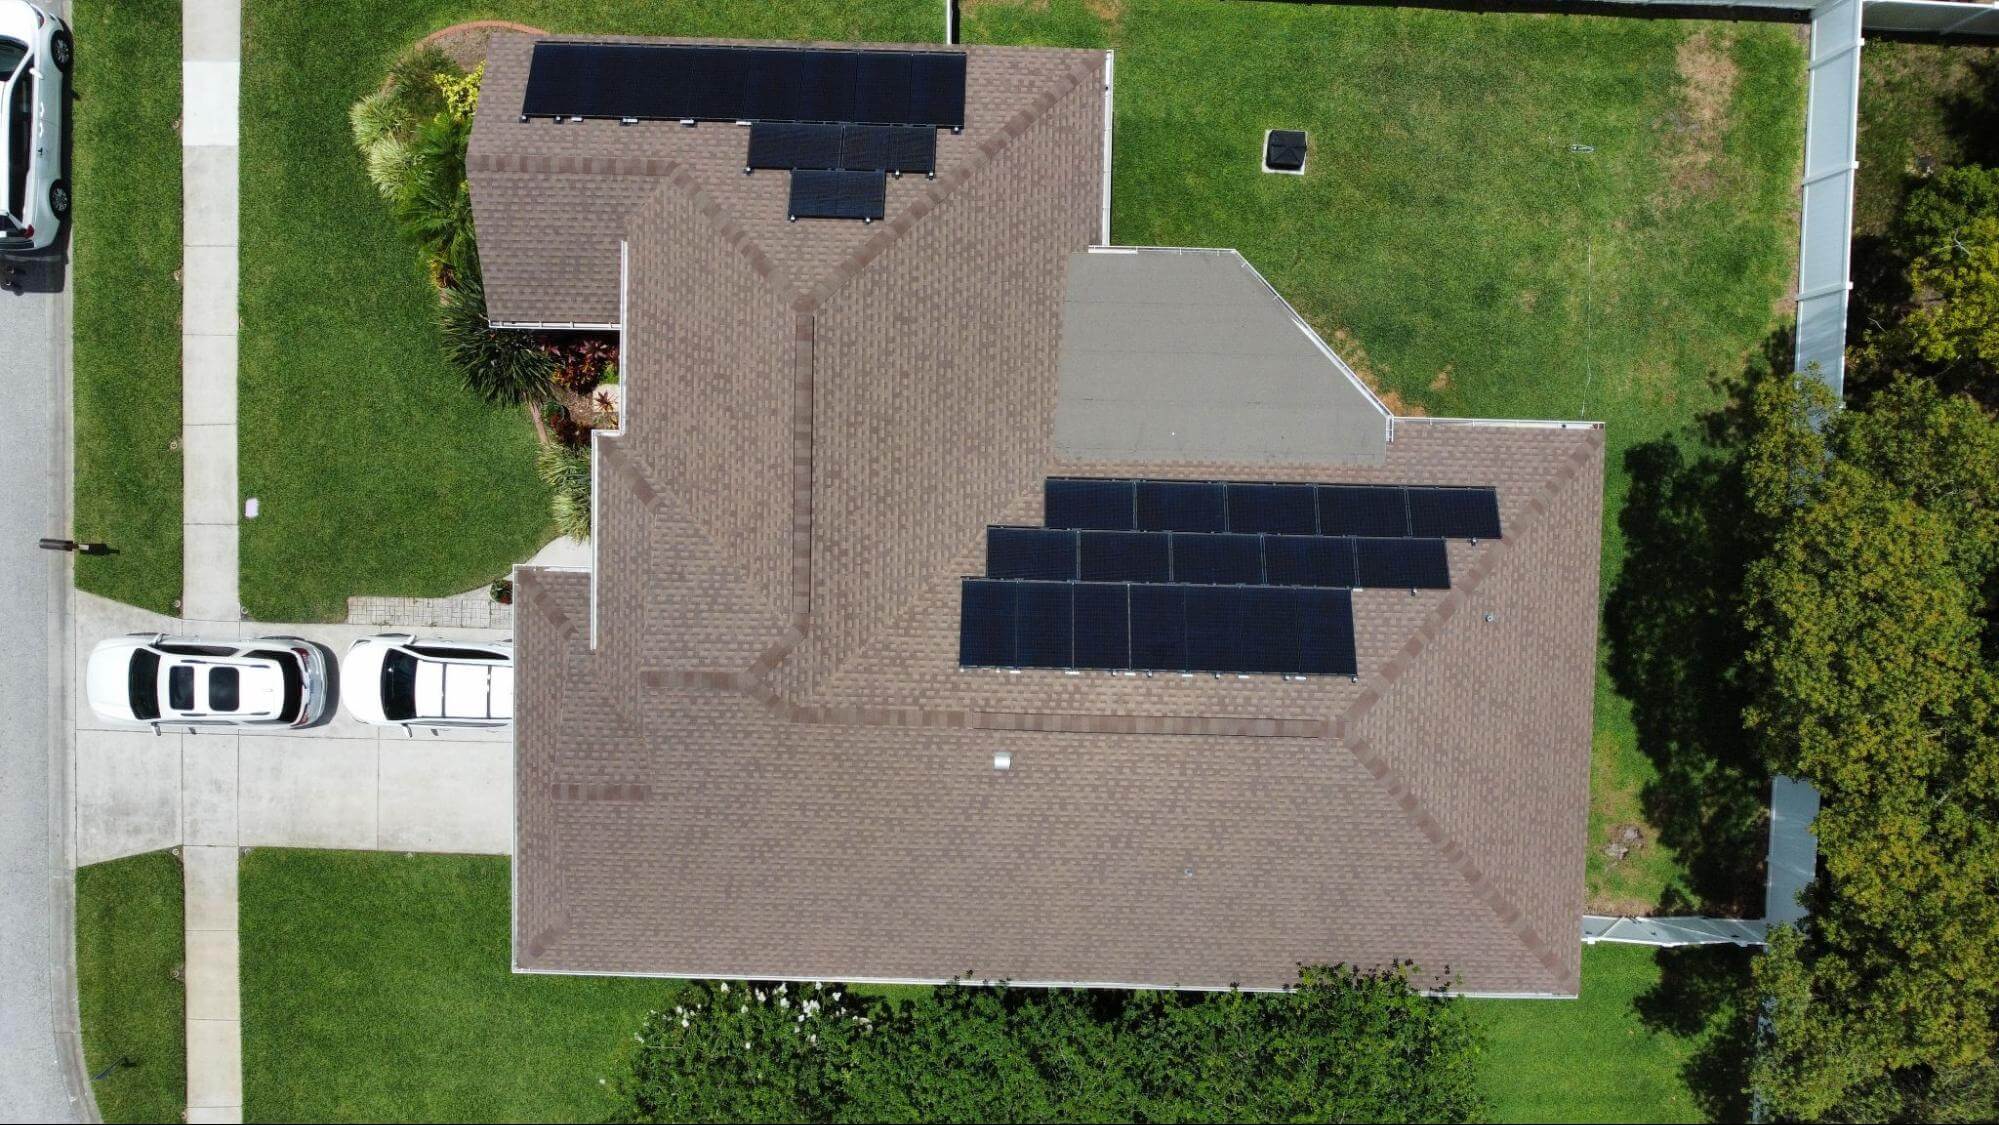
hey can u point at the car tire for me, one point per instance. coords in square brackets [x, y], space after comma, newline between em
[59, 200]
[62, 50]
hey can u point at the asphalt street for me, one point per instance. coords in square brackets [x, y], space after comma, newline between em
[39, 1055]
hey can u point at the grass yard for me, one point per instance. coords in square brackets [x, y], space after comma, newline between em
[1920, 108]
[1504, 215]
[1654, 1037]
[125, 257]
[128, 962]
[377, 472]
[353, 958]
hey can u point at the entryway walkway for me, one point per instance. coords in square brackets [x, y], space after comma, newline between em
[211, 71]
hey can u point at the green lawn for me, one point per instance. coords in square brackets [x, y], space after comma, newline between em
[128, 964]
[376, 472]
[1655, 1036]
[125, 259]
[376, 988]
[1918, 105]
[1452, 240]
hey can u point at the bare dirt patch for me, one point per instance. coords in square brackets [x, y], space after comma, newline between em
[1692, 132]
[1348, 348]
[466, 43]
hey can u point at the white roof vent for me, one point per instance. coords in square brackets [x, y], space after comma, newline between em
[1002, 759]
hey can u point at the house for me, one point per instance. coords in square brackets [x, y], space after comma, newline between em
[808, 717]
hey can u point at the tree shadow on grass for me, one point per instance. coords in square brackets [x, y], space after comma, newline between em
[1673, 623]
[1705, 994]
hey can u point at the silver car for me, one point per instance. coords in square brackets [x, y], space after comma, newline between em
[399, 680]
[189, 682]
[35, 56]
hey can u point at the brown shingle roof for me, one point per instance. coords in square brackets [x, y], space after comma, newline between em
[754, 752]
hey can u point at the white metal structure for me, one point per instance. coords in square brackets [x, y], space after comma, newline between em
[1825, 234]
[35, 56]
[397, 680]
[189, 682]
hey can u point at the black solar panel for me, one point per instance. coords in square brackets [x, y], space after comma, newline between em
[1182, 506]
[985, 623]
[1044, 625]
[1454, 513]
[1219, 559]
[1280, 509]
[714, 83]
[824, 194]
[1159, 628]
[1306, 560]
[1213, 628]
[1360, 509]
[796, 144]
[1415, 564]
[1103, 625]
[1325, 634]
[1085, 502]
[1125, 556]
[1269, 627]
[1030, 552]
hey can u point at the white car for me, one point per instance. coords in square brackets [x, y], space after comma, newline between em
[35, 56]
[186, 682]
[397, 680]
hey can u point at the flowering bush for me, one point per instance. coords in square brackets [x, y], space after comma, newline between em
[743, 1052]
[461, 91]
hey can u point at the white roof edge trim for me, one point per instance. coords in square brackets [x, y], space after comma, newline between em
[1110, 83]
[995, 982]
[562, 325]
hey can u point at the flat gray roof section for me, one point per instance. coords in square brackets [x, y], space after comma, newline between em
[1171, 354]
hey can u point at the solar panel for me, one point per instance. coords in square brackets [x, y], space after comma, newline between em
[1308, 560]
[1414, 564]
[1213, 624]
[1280, 509]
[1030, 552]
[985, 623]
[1159, 628]
[1269, 627]
[1103, 625]
[792, 144]
[1087, 502]
[1362, 509]
[1220, 559]
[1325, 633]
[826, 194]
[1182, 506]
[658, 81]
[1454, 513]
[1044, 625]
[1125, 556]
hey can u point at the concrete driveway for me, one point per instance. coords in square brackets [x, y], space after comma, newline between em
[341, 785]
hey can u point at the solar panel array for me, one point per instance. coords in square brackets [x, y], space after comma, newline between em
[1385, 511]
[841, 121]
[1157, 627]
[688, 82]
[1207, 576]
[1215, 558]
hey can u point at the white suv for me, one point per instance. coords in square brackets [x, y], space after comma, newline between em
[35, 56]
[188, 682]
[398, 680]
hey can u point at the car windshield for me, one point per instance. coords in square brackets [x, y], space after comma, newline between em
[142, 685]
[20, 136]
[399, 686]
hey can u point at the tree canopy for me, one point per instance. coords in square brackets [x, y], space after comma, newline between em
[1944, 326]
[1874, 679]
[1342, 1045]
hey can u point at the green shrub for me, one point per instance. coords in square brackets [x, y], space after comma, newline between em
[566, 471]
[498, 364]
[413, 81]
[434, 206]
[461, 92]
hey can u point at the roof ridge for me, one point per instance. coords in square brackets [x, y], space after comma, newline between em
[1390, 780]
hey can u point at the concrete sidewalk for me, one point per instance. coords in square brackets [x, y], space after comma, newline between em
[211, 72]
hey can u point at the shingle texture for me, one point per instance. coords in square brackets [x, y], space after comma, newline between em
[746, 747]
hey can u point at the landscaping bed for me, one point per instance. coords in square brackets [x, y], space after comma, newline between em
[1502, 215]
[125, 265]
[376, 472]
[129, 956]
